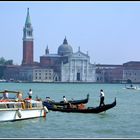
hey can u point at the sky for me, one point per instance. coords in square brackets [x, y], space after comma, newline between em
[109, 31]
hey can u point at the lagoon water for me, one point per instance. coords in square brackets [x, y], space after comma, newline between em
[122, 121]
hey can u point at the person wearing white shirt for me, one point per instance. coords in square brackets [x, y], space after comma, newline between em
[64, 99]
[101, 98]
[30, 93]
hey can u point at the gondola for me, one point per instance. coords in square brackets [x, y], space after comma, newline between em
[97, 109]
[61, 103]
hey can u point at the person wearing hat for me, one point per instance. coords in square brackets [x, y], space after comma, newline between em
[101, 97]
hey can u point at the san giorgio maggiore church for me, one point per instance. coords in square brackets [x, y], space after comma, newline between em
[65, 66]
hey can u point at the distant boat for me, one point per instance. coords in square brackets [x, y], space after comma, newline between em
[13, 109]
[132, 87]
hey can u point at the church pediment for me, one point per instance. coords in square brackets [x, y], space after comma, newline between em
[80, 55]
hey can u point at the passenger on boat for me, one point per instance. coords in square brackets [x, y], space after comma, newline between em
[19, 96]
[48, 99]
[68, 104]
[5, 94]
[38, 99]
[30, 93]
[101, 98]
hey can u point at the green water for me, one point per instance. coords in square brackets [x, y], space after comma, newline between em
[121, 121]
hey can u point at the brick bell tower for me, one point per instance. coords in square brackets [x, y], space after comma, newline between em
[27, 42]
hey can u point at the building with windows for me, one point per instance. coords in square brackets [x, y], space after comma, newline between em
[42, 75]
[131, 72]
[109, 73]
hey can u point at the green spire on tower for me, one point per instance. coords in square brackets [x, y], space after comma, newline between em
[28, 20]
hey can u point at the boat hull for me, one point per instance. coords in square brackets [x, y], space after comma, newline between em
[98, 109]
[19, 114]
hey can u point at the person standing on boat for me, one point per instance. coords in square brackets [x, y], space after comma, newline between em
[30, 93]
[64, 99]
[101, 98]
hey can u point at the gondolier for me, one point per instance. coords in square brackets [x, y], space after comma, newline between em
[64, 99]
[101, 98]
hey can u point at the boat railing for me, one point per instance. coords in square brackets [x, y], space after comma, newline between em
[20, 104]
[9, 105]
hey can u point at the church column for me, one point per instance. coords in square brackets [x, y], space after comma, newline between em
[75, 70]
[82, 71]
[87, 70]
[69, 71]
[62, 71]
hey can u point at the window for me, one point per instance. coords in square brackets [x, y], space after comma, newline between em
[85, 71]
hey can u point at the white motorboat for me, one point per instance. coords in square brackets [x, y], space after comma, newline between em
[132, 87]
[13, 109]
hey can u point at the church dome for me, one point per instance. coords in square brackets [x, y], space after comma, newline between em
[65, 49]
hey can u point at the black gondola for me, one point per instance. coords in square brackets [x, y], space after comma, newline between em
[97, 109]
[74, 102]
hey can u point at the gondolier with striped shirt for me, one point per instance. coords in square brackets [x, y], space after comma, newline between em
[101, 98]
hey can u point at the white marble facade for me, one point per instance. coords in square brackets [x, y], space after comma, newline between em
[78, 69]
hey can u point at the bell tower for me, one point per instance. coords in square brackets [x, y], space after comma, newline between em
[27, 42]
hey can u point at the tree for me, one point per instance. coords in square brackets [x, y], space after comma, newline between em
[2, 61]
[5, 62]
[9, 62]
